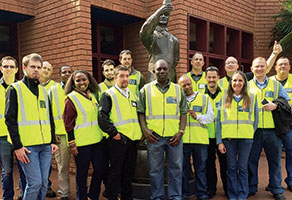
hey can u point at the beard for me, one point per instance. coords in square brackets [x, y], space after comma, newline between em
[110, 79]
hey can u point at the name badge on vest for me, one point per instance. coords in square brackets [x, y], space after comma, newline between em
[201, 85]
[197, 108]
[243, 110]
[171, 100]
[288, 90]
[217, 104]
[134, 104]
[42, 104]
[132, 82]
[269, 94]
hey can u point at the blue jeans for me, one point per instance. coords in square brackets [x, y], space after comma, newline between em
[237, 154]
[6, 162]
[37, 172]
[287, 142]
[199, 152]
[174, 157]
[273, 148]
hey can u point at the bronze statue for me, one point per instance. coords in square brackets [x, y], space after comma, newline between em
[159, 42]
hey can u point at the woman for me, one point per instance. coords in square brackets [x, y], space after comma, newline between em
[237, 122]
[84, 134]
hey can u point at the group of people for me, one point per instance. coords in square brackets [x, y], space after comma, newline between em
[101, 124]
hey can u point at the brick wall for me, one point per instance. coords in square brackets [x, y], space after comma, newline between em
[19, 6]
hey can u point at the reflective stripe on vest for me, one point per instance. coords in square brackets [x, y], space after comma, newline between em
[57, 103]
[3, 127]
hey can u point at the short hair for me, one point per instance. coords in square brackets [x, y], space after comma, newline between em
[283, 57]
[259, 58]
[198, 53]
[212, 69]
[120, 68]
[125, 51]
[32, 56]
[8, 58]
[107, 62]
[64, 66]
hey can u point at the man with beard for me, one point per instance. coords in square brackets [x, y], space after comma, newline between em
[215, 94]
[196, 139]
[118, 118]
[57, 97]
[162, 112]
[108, 67]
[136, 81]
[28, 116]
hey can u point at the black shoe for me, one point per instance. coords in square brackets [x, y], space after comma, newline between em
[250, 194]
[64, 198]
[279, 196]
[267, 189]
[50, 193]
[211, 194]
[289, 187]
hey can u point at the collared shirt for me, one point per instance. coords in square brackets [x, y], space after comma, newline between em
[125, 93]
[209, 116]
[196, 77]
[2, 82]
[141, 105]
[282, 93]
[213, 96]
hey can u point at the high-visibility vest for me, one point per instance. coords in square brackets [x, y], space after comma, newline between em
[134, 83]
[270, 92]
[50, 84]
[33, 115]
[103, 87]
[3, 127]
[287, 86]
[86, 129]
[215, 105]
[200, 84]
[237, 122]
[124, 114]
[162, 110]
[195, 132]
[223, 83]
[58, 98]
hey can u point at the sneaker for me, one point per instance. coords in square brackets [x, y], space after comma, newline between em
[50, 193]
[279, 196]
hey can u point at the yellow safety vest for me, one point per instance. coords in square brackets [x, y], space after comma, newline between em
[103, 87]
[162, 110]
[200, 84]
[238, 122]
[33, 115]
[196, 133]
[86, 130]
[134, 83]
[50, 84]
[58, 97]
[223, 83]
[287, 86]
[124, 114]
[3, 127]
[215, 105]
[270, 92]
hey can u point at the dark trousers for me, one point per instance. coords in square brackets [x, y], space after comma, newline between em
[95, 154]
[122, 158]
[211, 167]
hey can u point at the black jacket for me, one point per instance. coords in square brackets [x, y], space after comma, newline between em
[282, 117]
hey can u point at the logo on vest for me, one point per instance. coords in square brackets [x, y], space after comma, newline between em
[197, 108]
[242, 110]
[132, 82]
[269, 94]
[42, 104]
[171, 100]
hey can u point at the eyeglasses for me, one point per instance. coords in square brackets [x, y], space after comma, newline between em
[231, 63]
[9, 66]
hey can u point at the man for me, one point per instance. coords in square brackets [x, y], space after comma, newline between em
[136, 78]
[197, 75]
[215, 94]
[46, 75]
[31, 127]
[282, 68]
[231, 66]
[265, 136]
[196, 139]
[8, 67]
[162, 114]
[57, 97]
[118, 118]
[107, 67]
[160, 43]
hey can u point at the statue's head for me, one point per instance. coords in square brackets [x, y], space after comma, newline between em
[163, 19]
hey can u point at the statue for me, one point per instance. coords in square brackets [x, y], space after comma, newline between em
[159, 42]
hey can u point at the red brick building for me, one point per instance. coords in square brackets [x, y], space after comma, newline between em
[82, 33]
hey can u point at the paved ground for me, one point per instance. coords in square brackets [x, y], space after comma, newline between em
[261, 194]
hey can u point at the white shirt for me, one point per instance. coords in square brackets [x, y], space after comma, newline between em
[125, 93]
